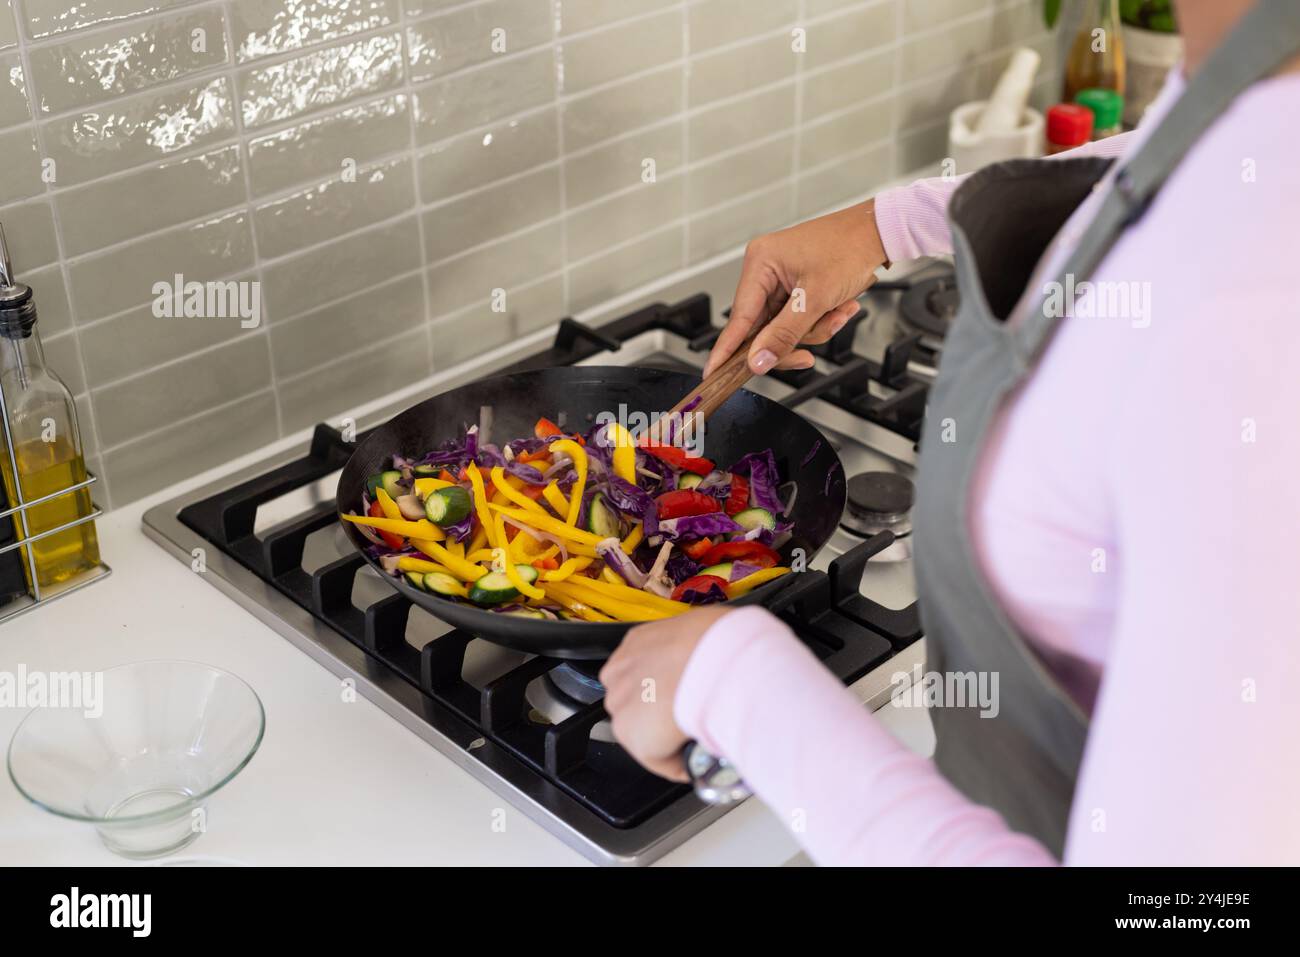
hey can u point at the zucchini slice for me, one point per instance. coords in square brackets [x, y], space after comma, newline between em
[415, 580]
[389, 480]
[440, 583]
[426, 470]
[689, 480]
[601, 519]
[723, 571]
[752, 518]
[447, 506]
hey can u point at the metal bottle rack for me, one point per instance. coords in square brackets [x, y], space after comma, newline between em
[23, 541]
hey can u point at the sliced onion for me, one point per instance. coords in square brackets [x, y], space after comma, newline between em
[370, 535]
[560, 465]
[788, 503]
[485, 423]
[410, 507]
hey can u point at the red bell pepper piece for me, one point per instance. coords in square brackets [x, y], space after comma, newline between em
[678, 458]
[446, 476]
[545, 428]
[685, 502]
[700, 583]
[394, 542]
[698, 550]
[751, 553]
[738, 500]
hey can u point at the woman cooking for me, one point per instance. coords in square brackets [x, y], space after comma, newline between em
[1106, 512]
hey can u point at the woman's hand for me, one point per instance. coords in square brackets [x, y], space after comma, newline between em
[641, 680]
[829, 260]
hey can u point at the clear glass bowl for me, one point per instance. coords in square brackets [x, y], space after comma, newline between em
[171, 733]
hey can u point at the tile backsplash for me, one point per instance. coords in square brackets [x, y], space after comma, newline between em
[380, 167]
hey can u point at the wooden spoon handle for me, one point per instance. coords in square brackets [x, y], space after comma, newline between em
[707, 397]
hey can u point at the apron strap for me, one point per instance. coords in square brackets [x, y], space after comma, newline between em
[1265, 38]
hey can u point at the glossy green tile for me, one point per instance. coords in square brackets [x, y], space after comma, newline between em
[81, 71]
[374, 193]
[733, 225]
[182, 451]
[141, 129]
[622, 107]
[266, 27]
[167, 394]
[477, 97]
[460, 224]
[850, 34]
[20, 173]
[475, 159]
[122, 277]
[579, 15]
[451, 41]
[29, 230]
[717, 22]
[364, 374]
[13, 91]
[847, 84]
[323, 78]
[737, 122]
[314, 339]
[506, 264]
[640, 210]
[731, 175]
[47, 17]
[623, 269]
[843, 180]
[322, 147]
[100, 214]
[341, 267]
[738, 69]
[946, 49]
[624, 162]
[137, 340]
[848, 131]
[622, 50]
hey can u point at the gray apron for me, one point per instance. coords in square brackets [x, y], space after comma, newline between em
[1024, 762]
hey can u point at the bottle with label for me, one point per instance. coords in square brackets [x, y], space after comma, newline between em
[41, 452]
[1097, 55]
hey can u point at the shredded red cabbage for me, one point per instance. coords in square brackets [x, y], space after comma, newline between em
[696, 526]
[761, 468]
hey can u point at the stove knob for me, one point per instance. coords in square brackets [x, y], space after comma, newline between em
[716, 780]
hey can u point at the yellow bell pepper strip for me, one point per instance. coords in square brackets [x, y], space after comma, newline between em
[609, 575]
[618, 589]
[583, 611]
[575, 589]
[480, 555]
[423, 486]
[750, 582]
[624, 457]
[510, 492]
[456, 548]
[409, 563]
[481, 504]
[423, 529]
[547, 524]
[465, 571]
[575, 452]
[633, 539]
[477, 540]
[566, 569]
[387, 504]
[556, 498]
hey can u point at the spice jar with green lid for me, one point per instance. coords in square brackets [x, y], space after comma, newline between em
[1107, 110]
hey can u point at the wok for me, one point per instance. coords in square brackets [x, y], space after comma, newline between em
[746, 423]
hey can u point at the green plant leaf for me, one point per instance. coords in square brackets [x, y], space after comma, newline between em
[1051, 11]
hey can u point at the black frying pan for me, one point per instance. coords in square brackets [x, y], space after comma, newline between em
[746, 423]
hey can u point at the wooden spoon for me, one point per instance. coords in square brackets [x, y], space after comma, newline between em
[709, 396]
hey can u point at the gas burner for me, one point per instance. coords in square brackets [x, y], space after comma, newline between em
[929, 307]
[565, 690]
[880, 502]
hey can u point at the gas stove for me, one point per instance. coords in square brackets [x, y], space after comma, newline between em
[533, 728]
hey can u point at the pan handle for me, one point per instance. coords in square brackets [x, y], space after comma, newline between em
[716, 779]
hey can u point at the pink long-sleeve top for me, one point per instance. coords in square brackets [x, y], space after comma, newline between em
[1137, 512]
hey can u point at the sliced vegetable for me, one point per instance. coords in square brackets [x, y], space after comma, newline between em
[751, 553]
[738, 500]
[601, 519]
[672, 505]
[447, 506]
[548, 524]
[415, 580]
[492, 589]
[624, 457]
[722, 571]
[678, 458]
[701, 589]
[689, 480]
[443, 584]
[512, 494]
[391, 481]
[397, 526]
[575, 452]
[752, 518]
[545, 428]
[737, 588]
[697, 526]
[697, 550]
[389, 539]
[423, 486]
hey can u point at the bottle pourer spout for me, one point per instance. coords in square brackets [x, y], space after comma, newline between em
[6, 265]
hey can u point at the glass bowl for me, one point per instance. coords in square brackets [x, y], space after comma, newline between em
[168, 735]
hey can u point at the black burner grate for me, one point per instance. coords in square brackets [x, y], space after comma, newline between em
[850, 633]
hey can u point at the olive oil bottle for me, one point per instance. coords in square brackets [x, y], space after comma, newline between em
[41, 449]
